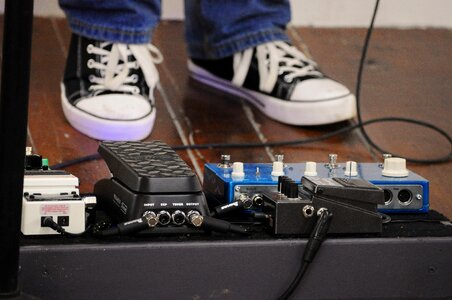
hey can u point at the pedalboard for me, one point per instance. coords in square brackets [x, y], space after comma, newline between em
[51, 194]
[226, 182]
[149, 178]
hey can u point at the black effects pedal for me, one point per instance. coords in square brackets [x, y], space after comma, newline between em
[353, 203]
[149, 178]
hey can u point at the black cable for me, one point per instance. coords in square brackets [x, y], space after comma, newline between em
[360, 76]
[304, 266]
[227, 208]
[316, 239]
[48, 221]
[406, 120]
[332, 134]
[147, 222]
[75, 161]
[322, 137]
[222, 226]
[361, 124]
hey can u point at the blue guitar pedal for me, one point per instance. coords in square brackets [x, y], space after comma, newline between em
[405, 191]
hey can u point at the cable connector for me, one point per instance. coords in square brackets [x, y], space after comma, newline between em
[222, 226]
[315, 241]
[227, 208]
[318, 234]
[258, 215]
[148, 221]
[49, 222]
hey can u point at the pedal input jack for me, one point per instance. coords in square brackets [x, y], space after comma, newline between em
[164, 217]
[405, 197]
[258, 200]
[388, 196]
[308, 211]
[178, 217]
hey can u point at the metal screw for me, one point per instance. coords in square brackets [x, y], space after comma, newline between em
[418, 196]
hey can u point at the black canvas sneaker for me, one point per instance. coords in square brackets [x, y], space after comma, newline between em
[281, 81]
[107, 90]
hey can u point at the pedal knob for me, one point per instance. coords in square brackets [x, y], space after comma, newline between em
[394, 167]
[351, 168]
[310, 168]
[237, 170]
[278, 168]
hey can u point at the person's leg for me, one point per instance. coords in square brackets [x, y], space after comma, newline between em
[128, 22]
[217, 29]
[107, 89]
[241, 47]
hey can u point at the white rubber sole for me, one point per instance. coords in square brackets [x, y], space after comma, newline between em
[102, 129]
[302, 113]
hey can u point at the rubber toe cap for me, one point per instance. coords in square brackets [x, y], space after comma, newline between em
[116, 106]
[318, 89]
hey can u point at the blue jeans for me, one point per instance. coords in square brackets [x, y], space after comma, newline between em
[213, 28]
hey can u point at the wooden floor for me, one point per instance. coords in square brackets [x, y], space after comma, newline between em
[407, 74]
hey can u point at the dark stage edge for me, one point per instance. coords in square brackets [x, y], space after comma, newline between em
[257, 267]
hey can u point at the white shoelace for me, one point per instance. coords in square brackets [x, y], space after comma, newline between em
[274, 58]
[114, 66]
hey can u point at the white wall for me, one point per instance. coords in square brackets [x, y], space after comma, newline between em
[326, 13]
[357, 13]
